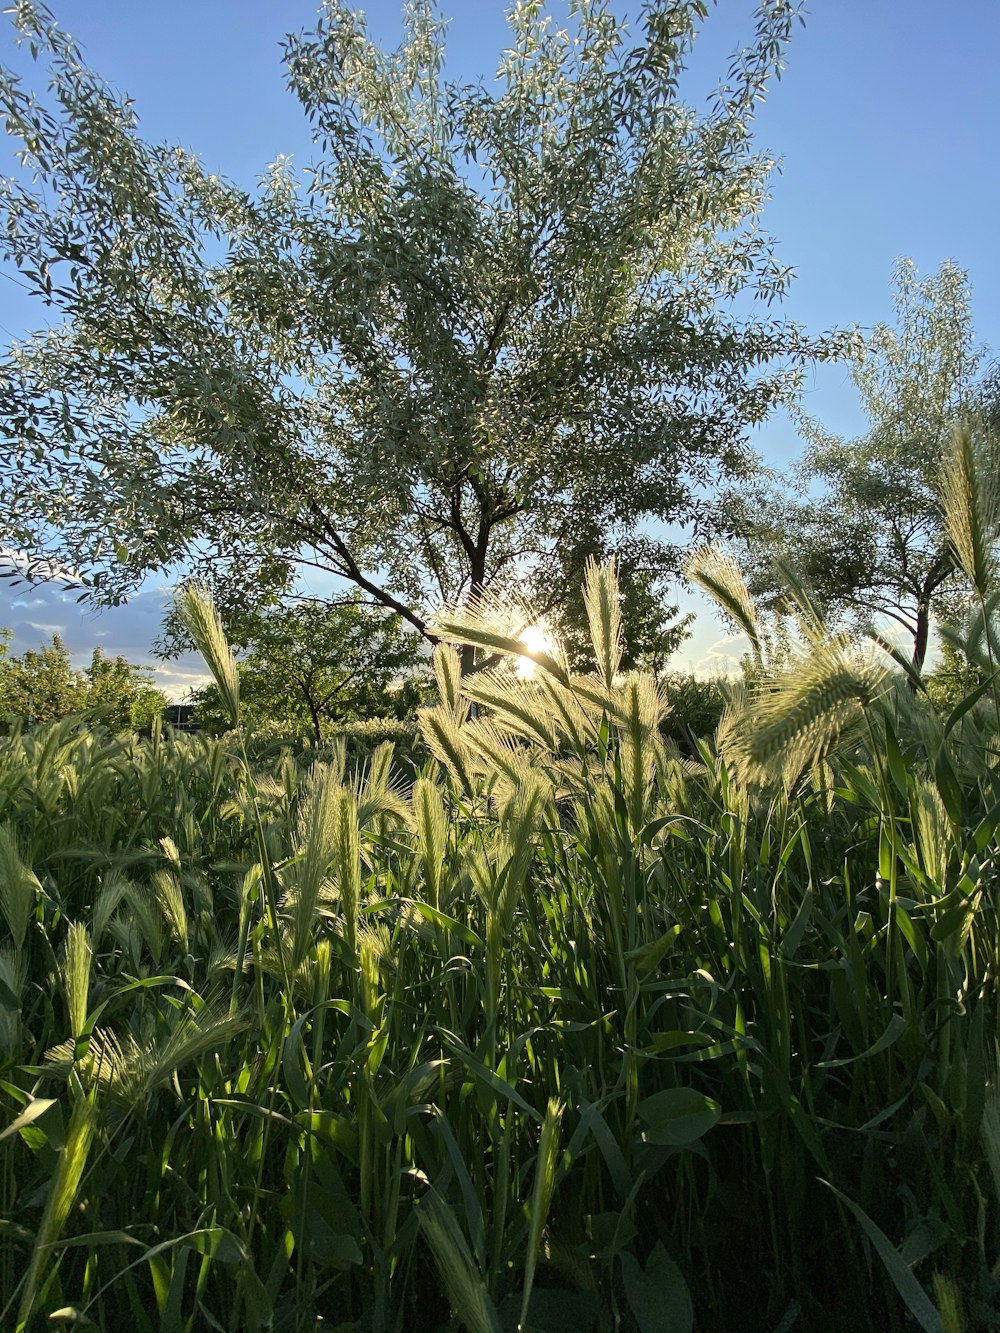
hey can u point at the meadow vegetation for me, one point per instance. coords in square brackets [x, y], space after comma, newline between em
[564, 1030]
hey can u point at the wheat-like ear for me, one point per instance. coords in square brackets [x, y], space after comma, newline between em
[969, 493]
[935, 836]
[315, 847]
[447, 744]
[541, 1197]
[602, 601]
[431, 824]
[18, 886]
[348, 864]
[519, 707]
[462, 1280]
[796, 589]
[795, 719]
[717, 573]
[643, 709]
[497, 624]
[448, 674]
[198, 614]
[165, 890]
[76, 976]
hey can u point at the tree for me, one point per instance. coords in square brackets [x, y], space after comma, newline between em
[123, 692]
[316, 665]
[865, 524]
[41, 685]
[483, 325]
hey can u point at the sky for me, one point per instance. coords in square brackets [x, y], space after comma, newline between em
[886, 121]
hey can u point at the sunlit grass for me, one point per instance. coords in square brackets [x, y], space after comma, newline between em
[539, 1036]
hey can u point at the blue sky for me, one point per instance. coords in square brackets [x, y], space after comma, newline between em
[887, 121]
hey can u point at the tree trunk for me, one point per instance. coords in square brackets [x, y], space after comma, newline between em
[921, 635]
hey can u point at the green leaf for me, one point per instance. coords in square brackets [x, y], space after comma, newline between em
[658, 1296]
[678, 1116]
[917, 1301]
[35, 1108]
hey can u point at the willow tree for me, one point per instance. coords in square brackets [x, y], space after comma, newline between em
[864, 520]
[488, 331]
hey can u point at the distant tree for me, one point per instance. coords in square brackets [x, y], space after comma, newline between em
[316, 664]
[124, 693]
[865, 524]
[41, 685]
[652, 627]
[488, 318]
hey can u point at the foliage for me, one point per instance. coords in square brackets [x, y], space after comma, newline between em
[696, 706]
[124, 693]
[316, 665]
[487, 333]
[545, 1037]
[41, 685]
[866, 524]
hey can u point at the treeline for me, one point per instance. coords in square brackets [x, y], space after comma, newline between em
[42, 685]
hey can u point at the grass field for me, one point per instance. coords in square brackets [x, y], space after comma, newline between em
[561, 1032]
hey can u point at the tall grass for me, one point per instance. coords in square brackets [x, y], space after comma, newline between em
[569, 1032]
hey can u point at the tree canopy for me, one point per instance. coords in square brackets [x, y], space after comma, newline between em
[489, 330]
[313, 665]
[864, 521]
[42, 685]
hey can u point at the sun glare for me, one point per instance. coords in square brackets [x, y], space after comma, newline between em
[537, 640]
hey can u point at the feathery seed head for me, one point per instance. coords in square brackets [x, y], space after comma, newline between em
[198, 614]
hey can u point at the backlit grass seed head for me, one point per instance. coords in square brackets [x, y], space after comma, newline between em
[504, 625]
[518, 707]
[970, 493]
[935, 836]
[76, 976]
[717, 573]
[602, 601]
[448, 674]
[200, 618]
[431, 824]
[166, 890]
[315, 847]
[447, 744]
[795, 719]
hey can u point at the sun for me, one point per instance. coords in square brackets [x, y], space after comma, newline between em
[537, 639]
